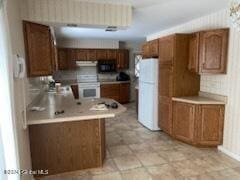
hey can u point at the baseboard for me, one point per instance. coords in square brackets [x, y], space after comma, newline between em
[229, 153]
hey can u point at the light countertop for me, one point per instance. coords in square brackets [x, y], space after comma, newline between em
[198, 100]
[72, 111]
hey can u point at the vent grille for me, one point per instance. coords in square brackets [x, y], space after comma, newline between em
[111, 29]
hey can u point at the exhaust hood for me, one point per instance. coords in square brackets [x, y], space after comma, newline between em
[86, 63]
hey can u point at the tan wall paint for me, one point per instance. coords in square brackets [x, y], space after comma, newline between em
[229, 84]
[79, 12]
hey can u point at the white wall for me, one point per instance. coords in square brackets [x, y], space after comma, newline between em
[30, 87]
[134, 47]
[88, 43]
[229, 84]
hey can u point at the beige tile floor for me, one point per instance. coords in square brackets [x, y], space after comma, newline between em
[135, 153]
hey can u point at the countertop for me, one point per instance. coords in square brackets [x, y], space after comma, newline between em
[198, 100]
[72, 111]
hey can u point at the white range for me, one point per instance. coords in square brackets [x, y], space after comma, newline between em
[87, 78]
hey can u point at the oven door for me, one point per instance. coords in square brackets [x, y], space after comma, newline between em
[89, 92]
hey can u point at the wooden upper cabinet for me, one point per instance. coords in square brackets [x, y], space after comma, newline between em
[146, 50]
[153, 48]
[81, 54]
[38, 46]
[62, 59]
[213, 51]
[166, 49]
[184, 121]
[112, 54]
[72, 57]
[193, 64]
[91, 55]
[150, 49]
[208, 52]
[101, 54]
[122, 59]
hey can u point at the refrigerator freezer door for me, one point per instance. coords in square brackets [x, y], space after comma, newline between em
[148, 106]
[148, 70]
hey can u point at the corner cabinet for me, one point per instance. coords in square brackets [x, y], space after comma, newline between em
[198, 124]
[208, 52]
[39, 49]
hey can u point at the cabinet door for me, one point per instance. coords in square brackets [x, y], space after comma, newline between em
[210, 127]
[124, 92]
[146, 50]
[193, 64]
[122, 59]
[101, 54]
[38, 45]
[183, 121]
[72, 56]
[91, 55]
[154, 48]
[110, 91]
[166, 49]
[213, 51]
[62, 59]
[81, 54]
[111, 54]
[165, 114]
[165, 81]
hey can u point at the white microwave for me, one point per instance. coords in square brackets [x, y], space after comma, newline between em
[89, 90]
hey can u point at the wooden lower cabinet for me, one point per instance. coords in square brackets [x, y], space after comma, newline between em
[119, 92]
[210, 124]
[200, 125]
[110, 91]
[67, 146]
[183, 121]
[124, 92]
[165, 114]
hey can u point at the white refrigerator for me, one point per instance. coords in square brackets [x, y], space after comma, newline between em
[148, 94]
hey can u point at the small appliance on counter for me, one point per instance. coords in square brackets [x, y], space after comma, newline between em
[122, 76]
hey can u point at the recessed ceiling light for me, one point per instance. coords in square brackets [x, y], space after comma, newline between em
[72, 25]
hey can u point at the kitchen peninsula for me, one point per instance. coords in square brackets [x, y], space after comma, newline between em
[67, 135]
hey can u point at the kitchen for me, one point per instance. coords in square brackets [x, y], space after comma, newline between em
[109, 98]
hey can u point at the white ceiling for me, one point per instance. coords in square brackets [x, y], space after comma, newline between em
[149, 16]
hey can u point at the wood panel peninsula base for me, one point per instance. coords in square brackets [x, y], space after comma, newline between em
[67, 146]
[73, 140]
